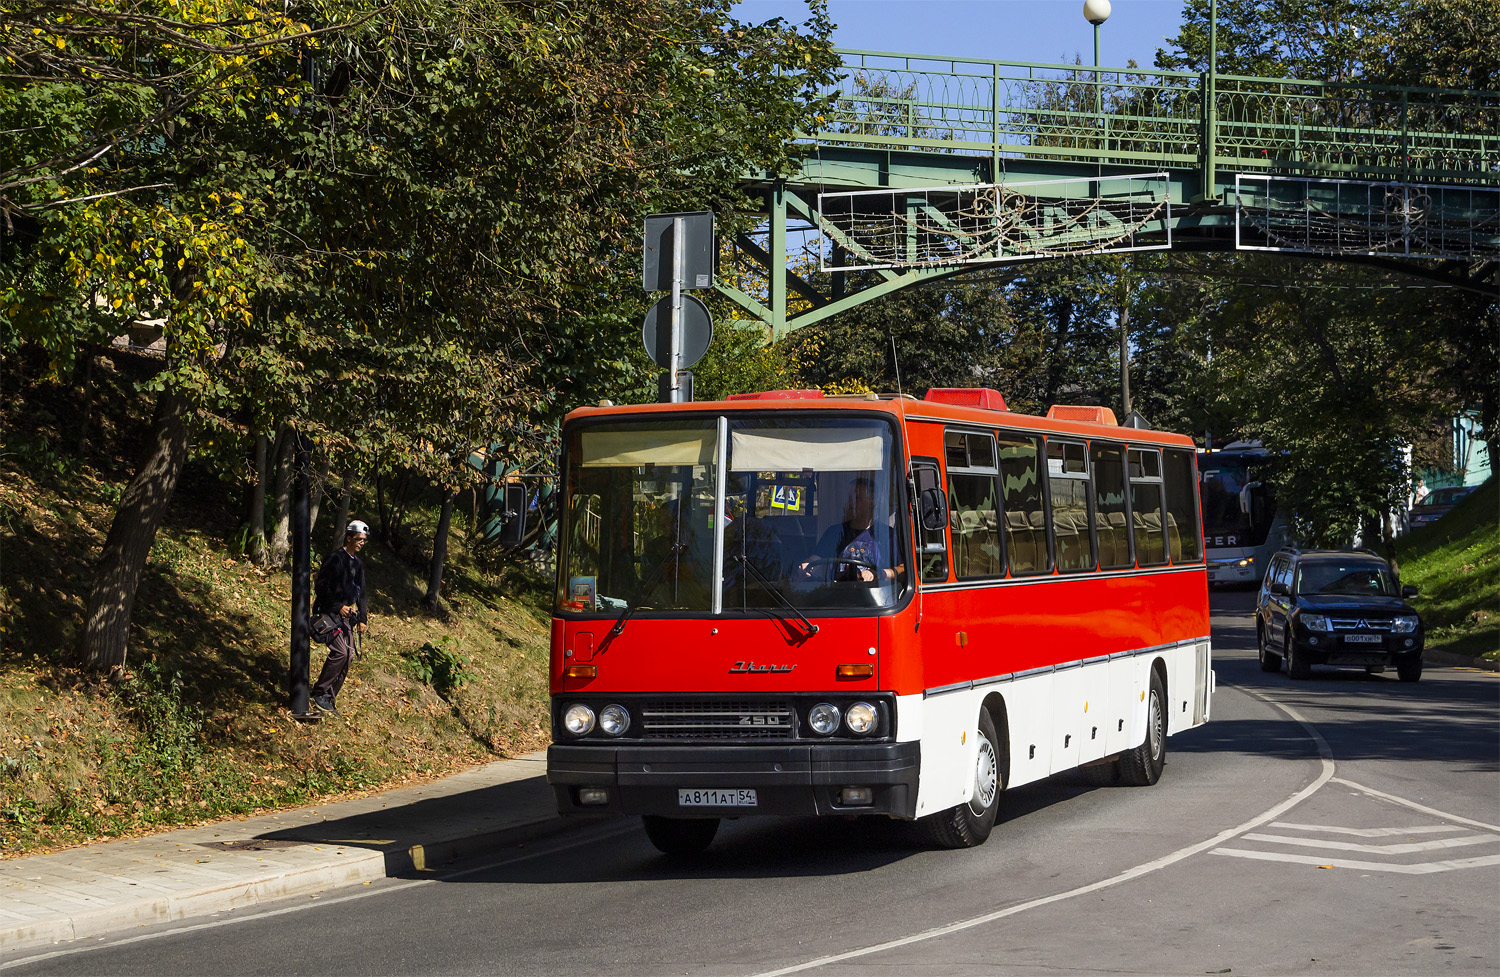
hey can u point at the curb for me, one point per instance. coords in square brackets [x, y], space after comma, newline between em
[1439, 657]
[346, 871]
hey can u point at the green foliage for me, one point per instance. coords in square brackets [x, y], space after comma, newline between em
[168, 744]
[1324, 40]
[1455, 565]
[440, 666]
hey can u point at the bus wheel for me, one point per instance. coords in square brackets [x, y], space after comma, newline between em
[1142, 766]
[1296, 665]
[969, 824]
[1269, 660]
[680, 836]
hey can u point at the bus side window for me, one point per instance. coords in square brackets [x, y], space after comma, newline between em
[1109, 503]
[1025, 513]
[1150, 529]
[972, 495]
[932, 543]
[1183, 522]
[1072, 513]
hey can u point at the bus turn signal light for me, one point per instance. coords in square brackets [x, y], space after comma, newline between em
[582, 671]
[856, 671]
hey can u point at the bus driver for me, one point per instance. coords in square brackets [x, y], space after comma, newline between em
[854, 539]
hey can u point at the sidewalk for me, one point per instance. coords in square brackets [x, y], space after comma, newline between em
[104, 888]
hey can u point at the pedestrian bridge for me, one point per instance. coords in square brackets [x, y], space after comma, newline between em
[927, 167]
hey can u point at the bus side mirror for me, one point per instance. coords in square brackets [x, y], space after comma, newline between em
[932, 501]
[934, 509]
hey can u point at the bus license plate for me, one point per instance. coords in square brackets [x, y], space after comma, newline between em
[1362, 639]
[715, 797]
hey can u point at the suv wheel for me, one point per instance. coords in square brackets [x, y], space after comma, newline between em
[1409, 669]
[1296, 664]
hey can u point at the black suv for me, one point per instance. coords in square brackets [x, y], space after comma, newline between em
[1335, 607]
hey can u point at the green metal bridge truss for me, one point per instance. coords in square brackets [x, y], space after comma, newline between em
[930, 167]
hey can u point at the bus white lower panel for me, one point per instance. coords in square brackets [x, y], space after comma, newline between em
[1055, 720]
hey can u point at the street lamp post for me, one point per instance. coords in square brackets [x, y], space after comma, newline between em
[1096, 12]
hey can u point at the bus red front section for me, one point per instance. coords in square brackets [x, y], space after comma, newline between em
[719, 656]
[749, 736]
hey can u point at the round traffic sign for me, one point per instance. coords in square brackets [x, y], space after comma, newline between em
[697, 332]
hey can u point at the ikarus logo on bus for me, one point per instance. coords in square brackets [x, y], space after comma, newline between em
[742, 668]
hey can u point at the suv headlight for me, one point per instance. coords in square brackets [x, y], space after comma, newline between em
[1315, 622]
[1405, 623]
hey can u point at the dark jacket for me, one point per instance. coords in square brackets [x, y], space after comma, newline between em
[341, 581]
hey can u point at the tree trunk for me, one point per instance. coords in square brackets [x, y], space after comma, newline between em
[319, 483]
[281, 535]
[433, 600]
[85, 386]
[106, 634]
[342, 520]
[255, 547]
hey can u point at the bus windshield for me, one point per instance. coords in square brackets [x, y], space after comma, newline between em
[1237, 503]
[726, 515]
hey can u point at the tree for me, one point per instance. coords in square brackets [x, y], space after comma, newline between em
[1321, 40]
[1446, 44]
[406, 238]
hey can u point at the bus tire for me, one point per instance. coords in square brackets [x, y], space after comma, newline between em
[1269, 660]
[680, 836]
[1296, 665]
[1142, 766]
[969, 824]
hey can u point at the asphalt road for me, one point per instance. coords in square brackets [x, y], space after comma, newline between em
[1349, 824]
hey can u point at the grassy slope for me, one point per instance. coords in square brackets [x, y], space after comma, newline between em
[1455, 564]
[202, 731]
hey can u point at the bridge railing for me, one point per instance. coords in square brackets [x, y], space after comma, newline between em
[1133, 117]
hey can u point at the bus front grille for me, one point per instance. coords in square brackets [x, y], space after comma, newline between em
[725, 720]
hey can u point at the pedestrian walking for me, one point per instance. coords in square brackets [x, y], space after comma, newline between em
[341, 590]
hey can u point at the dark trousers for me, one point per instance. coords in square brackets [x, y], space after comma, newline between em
[336, 665]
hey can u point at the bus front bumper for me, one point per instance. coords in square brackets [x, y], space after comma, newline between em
[803, 779]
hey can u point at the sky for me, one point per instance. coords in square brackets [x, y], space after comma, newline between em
[1041, 31]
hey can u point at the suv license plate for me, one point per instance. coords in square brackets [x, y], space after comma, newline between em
[715, 797]
[1362, 639]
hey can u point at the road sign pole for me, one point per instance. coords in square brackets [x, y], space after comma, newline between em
[674, 381]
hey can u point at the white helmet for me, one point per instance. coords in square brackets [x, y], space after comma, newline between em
[357, 527]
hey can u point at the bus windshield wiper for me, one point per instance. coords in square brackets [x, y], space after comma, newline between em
[769, 588]
[674, 552]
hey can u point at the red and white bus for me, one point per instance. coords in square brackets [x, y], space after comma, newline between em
[794, 604]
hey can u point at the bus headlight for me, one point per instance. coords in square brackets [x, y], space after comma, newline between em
[823, 718]
[614, 720]
[1316, 622]
[578, 719]
[860, 718]
[1404, 623]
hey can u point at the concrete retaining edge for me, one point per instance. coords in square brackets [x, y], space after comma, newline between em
[347, 871]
